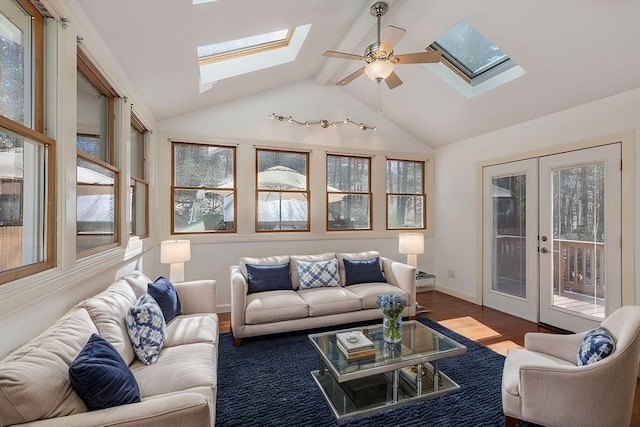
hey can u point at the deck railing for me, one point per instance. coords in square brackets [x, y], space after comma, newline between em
[579, 266]
[10, 247]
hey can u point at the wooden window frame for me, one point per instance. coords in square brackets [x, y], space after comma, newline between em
[36, 133]
[93, 75]
[234, 189]
[422, 194]
[137, 124]
[307, 191]
[347, 193]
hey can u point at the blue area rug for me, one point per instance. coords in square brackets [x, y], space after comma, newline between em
[267, 382]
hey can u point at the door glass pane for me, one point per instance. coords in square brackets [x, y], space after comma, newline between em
[578, 239]
[509, 235]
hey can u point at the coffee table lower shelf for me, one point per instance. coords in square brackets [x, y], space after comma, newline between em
[375, 393]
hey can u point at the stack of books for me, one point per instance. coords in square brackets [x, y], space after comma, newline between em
[355, 344]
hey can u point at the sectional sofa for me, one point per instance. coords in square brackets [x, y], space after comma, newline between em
[178, 389]
[294, 292]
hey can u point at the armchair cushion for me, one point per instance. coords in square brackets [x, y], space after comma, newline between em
[596, 345]
[101, 377]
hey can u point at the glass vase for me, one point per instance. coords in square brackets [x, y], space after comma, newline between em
[392, 329]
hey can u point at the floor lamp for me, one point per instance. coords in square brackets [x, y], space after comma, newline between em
[411, 244]
[176, 253]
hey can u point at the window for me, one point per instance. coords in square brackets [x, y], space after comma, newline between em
[203, 188]
[245, 46]
[139, 185]
[97, 210]
[282, 187]
[406, 198]
[467, 52]
[27, 156]
[348, 193]
[236, 57]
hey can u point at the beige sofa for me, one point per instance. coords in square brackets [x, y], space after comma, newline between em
[276, 311]
[178, 390]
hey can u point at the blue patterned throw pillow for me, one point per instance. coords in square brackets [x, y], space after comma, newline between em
[363, 271]
[596, 345]
[147, 329]
[318, 274]
[101, 378]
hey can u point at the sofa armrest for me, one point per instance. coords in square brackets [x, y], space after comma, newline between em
[564, 347]
[179, 409]
[198, 296]
[239, 289]
[404, 277]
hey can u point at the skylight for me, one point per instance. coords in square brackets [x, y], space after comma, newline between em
[474, 59]
[235, 57]
[246, 45]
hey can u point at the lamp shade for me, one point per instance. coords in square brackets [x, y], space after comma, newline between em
[378, 70]
[173, 251]
[411, 243]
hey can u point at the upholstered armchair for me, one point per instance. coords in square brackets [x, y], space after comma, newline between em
[543, 384]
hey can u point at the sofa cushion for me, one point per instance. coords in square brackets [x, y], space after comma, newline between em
[165, 294]
[108, 310]
[261, 278]
[138, 281]
[178, 368]
[100, 376]
[596, 345]
[331, 300]
[363, 271]
[34, 379]
[318, 274]
[354, 256]
[295, 279]
[146, 328]
[192, 328]
[270, 260]
[368, 292]
[274, 306]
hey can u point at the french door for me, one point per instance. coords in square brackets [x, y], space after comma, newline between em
[551, 232]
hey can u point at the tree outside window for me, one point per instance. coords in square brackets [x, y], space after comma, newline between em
[203, 188]
[405, 194]
[348, 192]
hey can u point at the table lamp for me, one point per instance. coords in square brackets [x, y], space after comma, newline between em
[176, 253]
[411, 244]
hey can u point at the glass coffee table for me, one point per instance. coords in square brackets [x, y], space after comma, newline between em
[395, 374]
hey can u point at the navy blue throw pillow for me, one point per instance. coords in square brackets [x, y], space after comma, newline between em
[363, 271]
[100, 376]
[268, 278]
[167, 298]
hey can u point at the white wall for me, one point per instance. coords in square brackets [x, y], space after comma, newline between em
[457, 187]
[246, 123]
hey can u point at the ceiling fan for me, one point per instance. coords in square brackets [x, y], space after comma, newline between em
[379, 56]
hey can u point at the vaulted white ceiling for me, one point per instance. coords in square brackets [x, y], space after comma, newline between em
[573, 52]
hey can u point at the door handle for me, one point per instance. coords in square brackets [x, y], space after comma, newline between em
[544, 250]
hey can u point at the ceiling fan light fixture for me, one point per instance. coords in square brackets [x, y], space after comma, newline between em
[378, 70]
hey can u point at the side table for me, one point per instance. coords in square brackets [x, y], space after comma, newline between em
[424, 280]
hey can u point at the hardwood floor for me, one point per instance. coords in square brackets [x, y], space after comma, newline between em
[489, 327]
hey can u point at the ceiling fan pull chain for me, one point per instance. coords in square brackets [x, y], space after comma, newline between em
[380, 97]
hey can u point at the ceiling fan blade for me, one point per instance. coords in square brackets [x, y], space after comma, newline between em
[393, 80]
[419, 57]
[342, 55]
[351, 77]
[391, 36]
